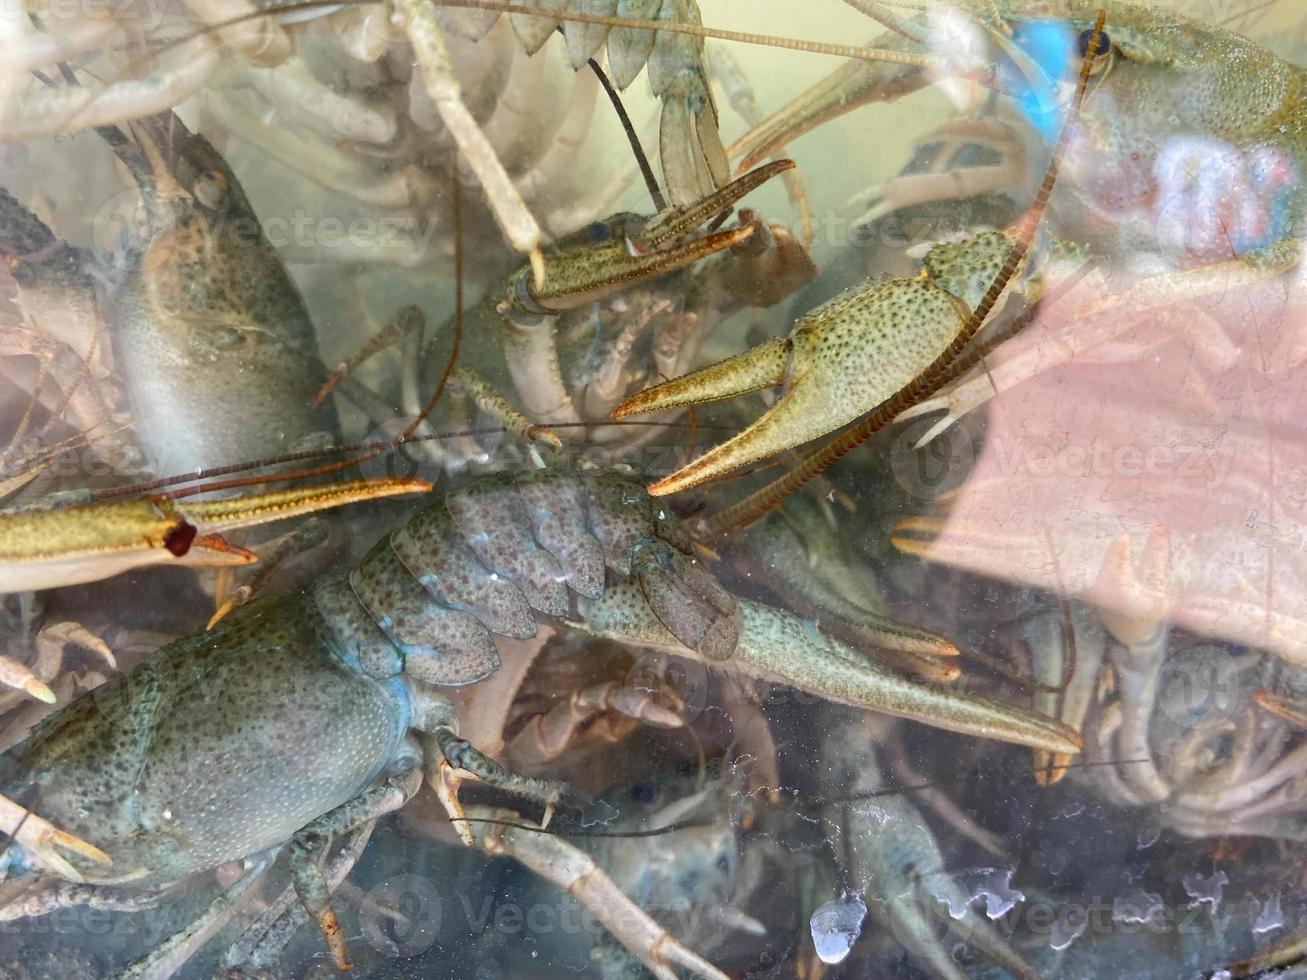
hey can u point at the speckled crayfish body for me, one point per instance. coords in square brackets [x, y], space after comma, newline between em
[206, 752]
[309, 714]
[227, 742]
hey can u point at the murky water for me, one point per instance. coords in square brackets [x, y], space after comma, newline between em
[1007, 683]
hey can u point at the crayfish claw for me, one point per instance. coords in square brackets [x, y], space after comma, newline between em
[777, 645]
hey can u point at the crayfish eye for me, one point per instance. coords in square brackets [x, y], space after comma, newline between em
[643, 792]
[1103, 47]
[598, 232]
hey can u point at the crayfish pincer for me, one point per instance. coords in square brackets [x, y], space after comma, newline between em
[310, 714]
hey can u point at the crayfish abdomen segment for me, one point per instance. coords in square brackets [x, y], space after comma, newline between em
[488, 559]
[428, 598]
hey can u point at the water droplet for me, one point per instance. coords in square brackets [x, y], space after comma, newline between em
[601, 812]
[1205, 889]
[1136, 907]
[836, 926]
[1064, 932]
[999, 894]
[1271, 916]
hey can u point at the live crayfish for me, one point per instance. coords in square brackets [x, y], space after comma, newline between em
[1103, 687]
[206, 354]
[202, 326]
[514, 333]
[697, 877]
[366, 652]
[211, 334]
[886, 851]
[868, 353]
[1255, 112]
[693, 158]
[200, 333]
[1186, 183]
